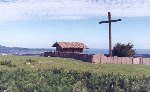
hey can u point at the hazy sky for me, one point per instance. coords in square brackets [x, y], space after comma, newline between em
[40, 23]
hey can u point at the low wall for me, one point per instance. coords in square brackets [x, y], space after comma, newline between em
[78, 56]
[99, 58]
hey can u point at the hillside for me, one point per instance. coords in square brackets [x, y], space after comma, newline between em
[43, 74]
[33, 63]
[22, 51]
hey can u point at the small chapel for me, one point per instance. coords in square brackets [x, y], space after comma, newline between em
[70, 47]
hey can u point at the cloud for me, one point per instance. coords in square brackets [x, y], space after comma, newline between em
[12, 10]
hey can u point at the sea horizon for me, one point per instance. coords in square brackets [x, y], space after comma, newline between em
[106, 51]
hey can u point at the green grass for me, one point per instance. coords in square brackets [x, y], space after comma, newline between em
[71, 64]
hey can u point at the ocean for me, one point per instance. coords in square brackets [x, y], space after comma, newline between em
[105, 51]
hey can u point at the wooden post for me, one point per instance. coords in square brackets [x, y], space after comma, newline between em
[110, 40]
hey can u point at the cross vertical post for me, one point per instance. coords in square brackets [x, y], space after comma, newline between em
[110, 38]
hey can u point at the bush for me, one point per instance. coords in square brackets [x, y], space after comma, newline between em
[7, 63]
[123, 50]
[58, 80]
[30, 61]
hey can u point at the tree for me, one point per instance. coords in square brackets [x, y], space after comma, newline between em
[123, 50]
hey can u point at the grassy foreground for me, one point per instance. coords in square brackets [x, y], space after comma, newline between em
[43, 74]
[71, 64]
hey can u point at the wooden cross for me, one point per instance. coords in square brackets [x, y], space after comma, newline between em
[110, 39]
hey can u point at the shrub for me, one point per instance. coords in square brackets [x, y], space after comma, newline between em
[123, 50]
[53, 80]
[7, 63]
[30, 61]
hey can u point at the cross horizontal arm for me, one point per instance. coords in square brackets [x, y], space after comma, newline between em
[115, 20]
[109, 21]
[103, 22]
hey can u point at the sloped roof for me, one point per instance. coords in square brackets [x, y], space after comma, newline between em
[70, 45]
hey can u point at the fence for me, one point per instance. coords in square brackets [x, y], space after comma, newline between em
[99, 58]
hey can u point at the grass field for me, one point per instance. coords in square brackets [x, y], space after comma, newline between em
[71, 64]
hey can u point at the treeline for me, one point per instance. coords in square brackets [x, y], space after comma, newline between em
[58, 80]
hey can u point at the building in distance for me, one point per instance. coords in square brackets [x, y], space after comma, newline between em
[70, 47]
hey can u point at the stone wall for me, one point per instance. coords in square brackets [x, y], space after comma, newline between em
[99, 58]
[78, 56]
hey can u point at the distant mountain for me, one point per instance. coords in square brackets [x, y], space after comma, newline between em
[22, 51]
[2, 46]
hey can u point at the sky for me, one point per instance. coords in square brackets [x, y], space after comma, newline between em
[40, 23]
